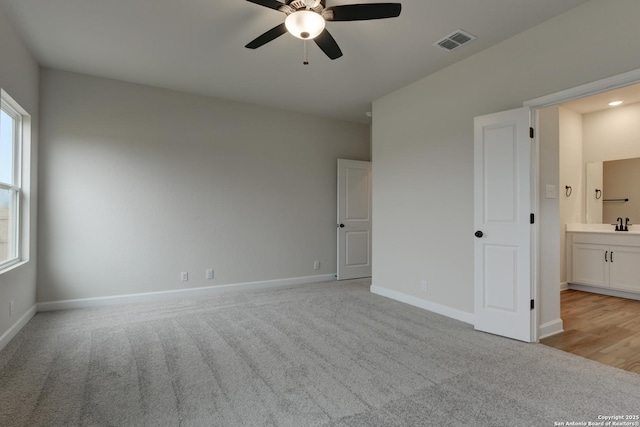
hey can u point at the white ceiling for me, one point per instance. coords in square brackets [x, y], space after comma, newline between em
[198, 46]
[628, 95]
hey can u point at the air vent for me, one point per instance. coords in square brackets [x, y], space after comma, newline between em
[454, 40]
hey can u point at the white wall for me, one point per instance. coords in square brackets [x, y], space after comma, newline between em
[19, 78]
[572, 173]
[423, 142]
[612, 134]
[139, 184]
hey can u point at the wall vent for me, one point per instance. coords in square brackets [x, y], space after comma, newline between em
[454, 40]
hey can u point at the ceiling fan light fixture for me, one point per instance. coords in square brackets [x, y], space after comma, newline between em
[305, 24]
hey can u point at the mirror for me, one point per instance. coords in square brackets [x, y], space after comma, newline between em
[613, 190]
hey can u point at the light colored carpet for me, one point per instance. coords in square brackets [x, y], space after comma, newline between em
[326, 354]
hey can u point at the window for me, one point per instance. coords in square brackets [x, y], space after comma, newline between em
[11, 192]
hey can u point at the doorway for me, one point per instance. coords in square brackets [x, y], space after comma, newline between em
[354, 219]
[553, 188]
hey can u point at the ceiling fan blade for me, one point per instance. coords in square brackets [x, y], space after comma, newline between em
[271, 4]
[270, 35]
[364, 12]
[327, 43]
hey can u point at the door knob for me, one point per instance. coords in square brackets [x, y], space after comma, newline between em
[341, 226]
[479, 234]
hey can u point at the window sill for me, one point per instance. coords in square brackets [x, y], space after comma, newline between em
[13, 266]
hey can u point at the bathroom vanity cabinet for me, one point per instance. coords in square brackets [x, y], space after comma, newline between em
[604, 260]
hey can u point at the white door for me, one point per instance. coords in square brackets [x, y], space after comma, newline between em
[502, 213]
[354, 219]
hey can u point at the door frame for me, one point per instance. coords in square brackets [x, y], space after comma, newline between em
[343, 165]
[599, 86]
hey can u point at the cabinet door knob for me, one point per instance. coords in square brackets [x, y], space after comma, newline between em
[479, 234]
[612, 256]
[341, 225]
[606, 254]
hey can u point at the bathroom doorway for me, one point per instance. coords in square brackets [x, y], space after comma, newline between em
[580, 116]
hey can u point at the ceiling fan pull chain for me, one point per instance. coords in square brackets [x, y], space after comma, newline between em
[306, 53]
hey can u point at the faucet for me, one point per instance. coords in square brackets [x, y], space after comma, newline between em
[619, 226]
[626, 224]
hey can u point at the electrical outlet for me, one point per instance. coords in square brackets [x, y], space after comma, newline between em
[184, 276]
[423, 286]
[316, 265]
[11, 309]
[209, 274]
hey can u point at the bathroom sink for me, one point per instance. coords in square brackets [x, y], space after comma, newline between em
[601, 228]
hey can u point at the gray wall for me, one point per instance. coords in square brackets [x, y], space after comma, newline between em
[19, 78]
[139, 184]
[423, 142]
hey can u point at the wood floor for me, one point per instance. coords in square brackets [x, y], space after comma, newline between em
[601, 328]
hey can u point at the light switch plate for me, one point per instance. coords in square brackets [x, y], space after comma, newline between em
[550, 192]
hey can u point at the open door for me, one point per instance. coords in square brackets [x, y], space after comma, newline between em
[354, 219]
[503, 230]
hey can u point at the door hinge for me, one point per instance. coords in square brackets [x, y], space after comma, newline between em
[533, 305]
[531, 133]
[532, 219]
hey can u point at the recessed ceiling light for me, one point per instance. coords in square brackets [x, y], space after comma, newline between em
[615, 103]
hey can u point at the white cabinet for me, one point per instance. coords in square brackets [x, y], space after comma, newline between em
[624, 268]
[616, 267]
[589, 264]
[605, 261]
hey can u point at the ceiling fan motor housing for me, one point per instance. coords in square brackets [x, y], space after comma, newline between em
[315, 5]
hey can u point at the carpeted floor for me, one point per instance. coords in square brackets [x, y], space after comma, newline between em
[329, 354]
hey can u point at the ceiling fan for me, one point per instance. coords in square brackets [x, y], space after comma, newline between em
[306, 20]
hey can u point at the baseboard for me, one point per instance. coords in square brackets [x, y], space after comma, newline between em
[13, 330]
[604, 291]
[179, 293]
[425, 305]
[564, 286]
[550, 328]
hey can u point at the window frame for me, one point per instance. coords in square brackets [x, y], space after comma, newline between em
[15, 187]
